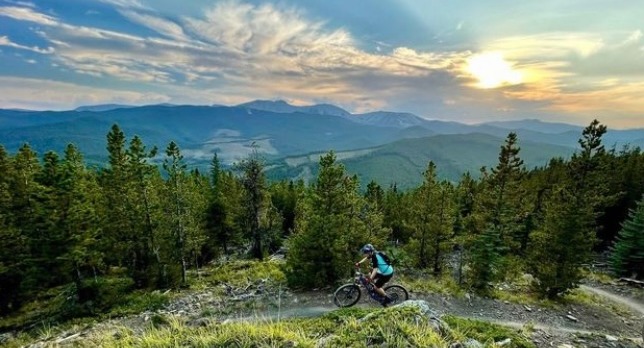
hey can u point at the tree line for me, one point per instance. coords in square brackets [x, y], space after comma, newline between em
[64, 223]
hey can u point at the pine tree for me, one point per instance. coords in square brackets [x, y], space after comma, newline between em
[284, 197]
[562, 244]
[255, 200]
[144, 213]
[116, 185]
[55, 204]
[485, 261]
[12, 248]
[176, 207]
[27, 217]
[504, 185]
[329, 228]
[503, 211]
[590, 172]
[433, 223]
[223, 211]
[80, 202]
[627, 254]
[468, 222]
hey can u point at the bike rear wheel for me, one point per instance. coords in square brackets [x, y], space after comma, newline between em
[347, 295]
[397, 293]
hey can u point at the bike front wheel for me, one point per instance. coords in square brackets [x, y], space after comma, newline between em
[347, 295]
[397, 293]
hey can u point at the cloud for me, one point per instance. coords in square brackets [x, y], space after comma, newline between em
[160, 25]
[18, 92]
[634, 37]
[124, 3]
[22, 3]
[237, 49]
[27, 14]
[5, 41]
[554, 45]
[622, 97]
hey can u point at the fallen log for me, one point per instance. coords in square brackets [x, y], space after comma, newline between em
[632, 281]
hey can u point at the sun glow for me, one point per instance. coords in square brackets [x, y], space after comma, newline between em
[492, 70]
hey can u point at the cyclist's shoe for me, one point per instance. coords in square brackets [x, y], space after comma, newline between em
[386, 301]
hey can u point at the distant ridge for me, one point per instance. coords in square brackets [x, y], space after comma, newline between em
[282, 107]
[390, 119]
[110, 107]
[536, 125]
[386, 141]
[103, 107]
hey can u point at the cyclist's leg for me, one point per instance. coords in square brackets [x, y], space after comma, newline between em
[379, 281]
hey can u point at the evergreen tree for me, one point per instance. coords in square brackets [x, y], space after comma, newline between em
[372, 213]
[397, 214]
[12, 248]
[54, 204]
[255, 200]
[116, 186]
[562, 244]
[81, 220]
[504, 186]
[28, 216]
[374, 194]
[503, 211]
[284, 197]
[144, 213]
[177, 206]
[329, 228]
[589, 172]
[468, 221]
[433, 223]
[627, 254]
[223, 211]
[623, 176]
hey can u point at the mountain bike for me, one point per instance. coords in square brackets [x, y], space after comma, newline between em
[349, 294]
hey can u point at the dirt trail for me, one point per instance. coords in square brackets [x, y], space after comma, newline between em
[633, 304]
[551, 327]
[483, 309]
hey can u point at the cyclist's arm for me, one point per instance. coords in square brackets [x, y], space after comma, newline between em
[374, 271]
[361, 261]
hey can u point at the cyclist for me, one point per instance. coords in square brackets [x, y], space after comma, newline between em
[382, 270]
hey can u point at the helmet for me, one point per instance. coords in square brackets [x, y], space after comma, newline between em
[367, 248]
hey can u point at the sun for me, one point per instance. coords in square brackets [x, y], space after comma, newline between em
[492, 70]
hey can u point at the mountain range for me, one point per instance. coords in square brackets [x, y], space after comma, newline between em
[388, 147]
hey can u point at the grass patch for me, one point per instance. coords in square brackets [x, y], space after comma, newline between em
[52, 313]
[599, 277]
[485, 332]
[579, 296]
[139, 301]
[42, 309]
[239, 273]
[445, 284]
[391, 327]
[524, 296]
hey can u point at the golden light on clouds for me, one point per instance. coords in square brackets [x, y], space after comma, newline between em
[492, 70]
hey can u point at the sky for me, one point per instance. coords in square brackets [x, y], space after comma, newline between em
[468, 61]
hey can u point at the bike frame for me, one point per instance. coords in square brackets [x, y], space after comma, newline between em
[361, 279]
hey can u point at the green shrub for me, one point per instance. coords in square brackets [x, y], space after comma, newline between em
[99, 295]
[240, 273]
[139, 301]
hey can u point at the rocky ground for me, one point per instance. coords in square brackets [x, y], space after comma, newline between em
[572, 325]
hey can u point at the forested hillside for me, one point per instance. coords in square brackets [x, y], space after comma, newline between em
[133, 225]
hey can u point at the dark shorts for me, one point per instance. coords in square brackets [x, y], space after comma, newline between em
[381, 280]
